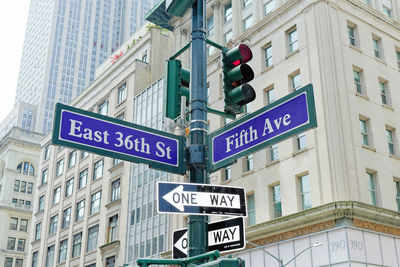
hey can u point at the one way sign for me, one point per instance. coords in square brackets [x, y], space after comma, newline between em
[190, 198]
[226, 235]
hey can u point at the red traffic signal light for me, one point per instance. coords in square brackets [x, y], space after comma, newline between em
[235, 75]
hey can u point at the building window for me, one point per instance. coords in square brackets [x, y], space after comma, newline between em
[398, 195]
[295, 81]
[377, 47]
[38, 228]
[47, 152]
[60, 167]
[390, 141]
[387, 9]
[19, 262]
[398, 59]
[250, 162]
[383, 89]
[66, 218]
[110, 261]
[301, 142]
[293, 40]
[113, 228]
[227, 36]
[372, 187]
[84, 154]
[273, 153]
[62, 254]
[41, 203]
[69, 187]
[276, 200]
[83, 176]
[11, 243]
[56, 195]
[80, 210]
[13, 223]
[44, 176]
[364, 132]
[210, 26]
[121, 93]
[35, 259]
[8, 262]
[23, 226]
[77, 244]
[23, 187]
[228, 12]
[160, 243]
[305, 193]
[247, 22]
[29, 188]
[98, 169]
[251, 210]
[115, 190]
[95, 201]
[53, 225]
[21, 245]
[357, 80]
[50, 256]
[26, 168]
[154, 246]
[116, 161]
[92, 238]
[268, 55]
[246, 3]
[269, 7]
[16, 185]
[228, 173]
[72, 159]
[352, 33]
[103, 108]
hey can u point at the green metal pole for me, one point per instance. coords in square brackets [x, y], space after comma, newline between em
[197, 226]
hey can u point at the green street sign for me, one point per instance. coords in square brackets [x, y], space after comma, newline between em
[286, 117]
[114, 138]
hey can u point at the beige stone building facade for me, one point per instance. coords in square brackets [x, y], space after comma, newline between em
[18, 174]
[81, 202]
[344, 173]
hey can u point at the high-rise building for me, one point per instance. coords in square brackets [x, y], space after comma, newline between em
[64, 43]
[337, 184]
[83, 210]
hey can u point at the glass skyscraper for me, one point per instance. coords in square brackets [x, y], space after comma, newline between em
[65, 41]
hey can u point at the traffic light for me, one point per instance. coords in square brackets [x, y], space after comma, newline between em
[224, 263]
[177, 80]
[236, 74]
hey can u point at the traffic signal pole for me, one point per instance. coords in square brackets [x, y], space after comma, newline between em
[197, 226]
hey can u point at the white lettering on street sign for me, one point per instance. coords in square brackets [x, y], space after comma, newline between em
[179, 198]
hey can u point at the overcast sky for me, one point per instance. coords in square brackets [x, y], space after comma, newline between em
[13, 17]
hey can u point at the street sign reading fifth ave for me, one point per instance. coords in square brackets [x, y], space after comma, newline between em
[191, 198]
[114, 138]
[279, 120]
[226, 235]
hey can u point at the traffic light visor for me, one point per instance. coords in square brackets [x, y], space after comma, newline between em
[239, 55]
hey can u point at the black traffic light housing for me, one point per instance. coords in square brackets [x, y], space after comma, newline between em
[236, 74]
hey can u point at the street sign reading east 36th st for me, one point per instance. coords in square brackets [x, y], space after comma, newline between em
[191, 198]
[226, 235]
[110, 137]
[282, 119]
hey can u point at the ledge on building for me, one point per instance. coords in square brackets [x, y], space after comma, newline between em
[325, 217]
[114, 246]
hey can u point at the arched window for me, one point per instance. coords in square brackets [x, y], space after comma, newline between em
[26, 168]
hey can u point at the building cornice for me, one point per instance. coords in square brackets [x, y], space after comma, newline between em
[322, 214]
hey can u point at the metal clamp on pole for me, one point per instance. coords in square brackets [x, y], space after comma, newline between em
[196, 155]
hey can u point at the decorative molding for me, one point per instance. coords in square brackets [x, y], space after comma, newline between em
[324, 217]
